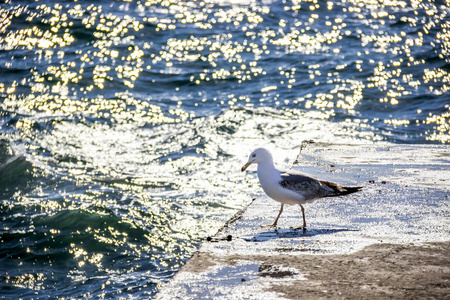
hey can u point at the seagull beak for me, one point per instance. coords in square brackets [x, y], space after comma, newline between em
[246, 165]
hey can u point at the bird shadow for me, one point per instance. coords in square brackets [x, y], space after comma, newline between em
[294, 233]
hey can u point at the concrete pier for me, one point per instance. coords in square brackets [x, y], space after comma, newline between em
[391, 240]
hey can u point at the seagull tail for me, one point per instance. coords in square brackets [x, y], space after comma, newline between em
[349, 190]
[339, 190]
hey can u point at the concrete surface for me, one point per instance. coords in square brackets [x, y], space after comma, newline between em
[390, 240]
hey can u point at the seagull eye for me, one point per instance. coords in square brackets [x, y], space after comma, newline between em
[253, 155]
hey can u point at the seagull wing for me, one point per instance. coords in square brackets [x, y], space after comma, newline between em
[312, 188]
[308, 186]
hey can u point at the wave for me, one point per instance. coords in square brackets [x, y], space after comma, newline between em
[16, 172]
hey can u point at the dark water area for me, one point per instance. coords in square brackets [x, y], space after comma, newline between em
[123, 124]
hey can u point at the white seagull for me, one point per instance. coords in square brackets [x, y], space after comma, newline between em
[290, 187]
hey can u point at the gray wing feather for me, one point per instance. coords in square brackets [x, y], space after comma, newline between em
[308, 186]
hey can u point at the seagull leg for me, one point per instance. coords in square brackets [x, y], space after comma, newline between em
[276, 220]
[304, 219]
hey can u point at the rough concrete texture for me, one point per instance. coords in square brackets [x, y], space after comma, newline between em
[390, 240]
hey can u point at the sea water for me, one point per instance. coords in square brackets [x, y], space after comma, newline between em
[124, 124]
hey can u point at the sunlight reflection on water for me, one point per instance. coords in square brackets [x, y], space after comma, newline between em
[123, 125]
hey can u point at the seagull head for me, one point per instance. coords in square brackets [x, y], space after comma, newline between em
[257, 156]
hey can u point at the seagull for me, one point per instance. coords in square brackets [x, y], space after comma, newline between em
[291, 187]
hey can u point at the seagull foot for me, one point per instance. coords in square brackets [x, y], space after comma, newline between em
[299, 227]
[269, 225]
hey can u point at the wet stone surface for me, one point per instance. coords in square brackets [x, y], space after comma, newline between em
[389, 240]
